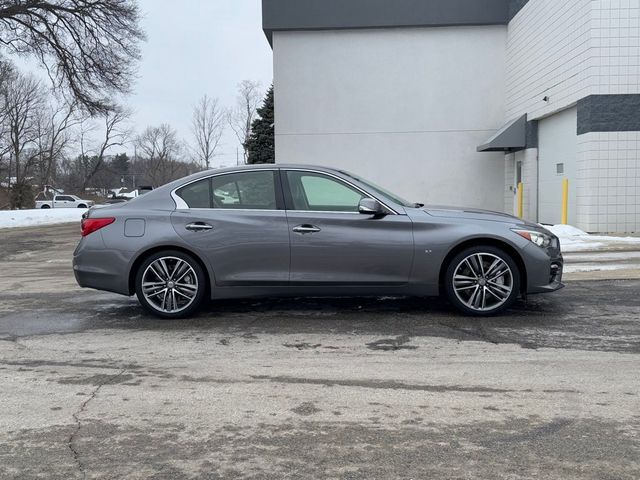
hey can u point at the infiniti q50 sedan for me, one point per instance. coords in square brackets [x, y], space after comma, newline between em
[292, 230]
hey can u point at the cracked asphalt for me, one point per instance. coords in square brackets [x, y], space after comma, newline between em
[310, 388]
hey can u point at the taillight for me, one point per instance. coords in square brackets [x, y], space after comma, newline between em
[90, 225]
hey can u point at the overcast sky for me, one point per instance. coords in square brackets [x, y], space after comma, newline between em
[196, 47]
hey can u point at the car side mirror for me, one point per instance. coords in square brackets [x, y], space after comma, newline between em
[369, 206]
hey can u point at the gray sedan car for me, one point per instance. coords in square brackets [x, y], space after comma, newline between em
[292, 230]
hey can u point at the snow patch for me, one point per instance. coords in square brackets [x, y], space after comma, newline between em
[573, 239]
[35, 217]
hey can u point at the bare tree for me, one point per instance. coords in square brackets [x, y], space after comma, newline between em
[207, 127]
[242, 115]
[23, 103]
[160, 150]
[54, 137]
[88, 47]
[115, 133]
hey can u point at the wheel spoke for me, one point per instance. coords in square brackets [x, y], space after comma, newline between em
[483, 281]
[500, 295]
[177, 290]
[155, 271]
[480, 264]
[501, 272]
[170, 284]
[473, 271]
[490, 270]
[155, 294]
[178, 269]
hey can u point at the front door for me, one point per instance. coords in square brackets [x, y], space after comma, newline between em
[238, 221]
[332, 244]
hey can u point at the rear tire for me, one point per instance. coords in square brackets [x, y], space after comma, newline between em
[44, 206]
[171, 285]
[82, 205]
[482, 281]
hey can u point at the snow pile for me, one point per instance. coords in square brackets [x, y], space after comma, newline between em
[35, 217]
[573, 239]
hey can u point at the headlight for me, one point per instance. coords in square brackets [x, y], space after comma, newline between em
[540, 239]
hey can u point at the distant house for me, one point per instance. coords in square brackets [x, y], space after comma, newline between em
[457, 102]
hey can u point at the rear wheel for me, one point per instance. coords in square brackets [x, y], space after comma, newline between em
[171, 285]
[82, 205]
[45, 206]
[482, 281]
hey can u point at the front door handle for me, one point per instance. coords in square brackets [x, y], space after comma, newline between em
[199, 227]
[304, 229]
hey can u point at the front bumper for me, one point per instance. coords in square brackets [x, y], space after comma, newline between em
[544, 269]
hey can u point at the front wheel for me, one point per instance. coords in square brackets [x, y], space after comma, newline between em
[482, 281]
[171, 285]
[82, 205]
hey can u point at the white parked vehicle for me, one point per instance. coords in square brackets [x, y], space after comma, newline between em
[64, 201]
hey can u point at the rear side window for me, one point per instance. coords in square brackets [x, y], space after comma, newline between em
[196, 195]
[244, 191]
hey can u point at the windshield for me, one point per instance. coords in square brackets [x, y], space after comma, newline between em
[380, 191]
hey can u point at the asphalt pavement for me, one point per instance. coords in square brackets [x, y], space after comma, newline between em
[92, 387]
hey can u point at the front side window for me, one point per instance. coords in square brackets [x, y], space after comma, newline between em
[317, 192]
[246, 190]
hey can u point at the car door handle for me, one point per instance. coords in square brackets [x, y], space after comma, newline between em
[198, 227]
[303, 229]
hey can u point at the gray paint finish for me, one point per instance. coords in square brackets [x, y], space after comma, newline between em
[609, 113]
[353, 14]
[250, 253]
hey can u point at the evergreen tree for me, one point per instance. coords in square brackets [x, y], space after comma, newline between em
[261, 143]
[120, 164]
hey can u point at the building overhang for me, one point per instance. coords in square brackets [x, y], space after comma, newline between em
[288, 15]
[511, 137]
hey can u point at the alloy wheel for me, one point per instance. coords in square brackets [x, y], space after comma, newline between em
[483, 282]
[170, 285]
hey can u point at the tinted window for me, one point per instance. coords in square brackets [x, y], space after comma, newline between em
[247, 190]
[196, 195]
[316, 192]
[64, 198]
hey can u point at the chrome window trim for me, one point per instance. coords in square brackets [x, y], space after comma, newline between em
[182, 205]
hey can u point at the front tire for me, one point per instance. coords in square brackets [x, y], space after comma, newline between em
[171, 285]
[482, 281]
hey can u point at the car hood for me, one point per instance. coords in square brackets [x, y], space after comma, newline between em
[473, 214]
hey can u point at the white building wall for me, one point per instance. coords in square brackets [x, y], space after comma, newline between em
[609, 173]
[403, 107]
[548, 55]
[567, 50]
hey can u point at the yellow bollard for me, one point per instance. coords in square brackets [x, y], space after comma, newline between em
[565, 201]
[520, 200]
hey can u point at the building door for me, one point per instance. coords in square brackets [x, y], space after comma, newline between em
[558, 151]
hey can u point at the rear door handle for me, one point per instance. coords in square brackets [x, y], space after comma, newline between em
[198, 227]
[303, 229]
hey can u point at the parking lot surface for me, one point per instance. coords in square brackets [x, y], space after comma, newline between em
[92, 387]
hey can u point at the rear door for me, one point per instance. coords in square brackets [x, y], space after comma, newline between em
[238, 221]
[332, 244]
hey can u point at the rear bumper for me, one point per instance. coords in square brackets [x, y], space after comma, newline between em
[101, 269]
